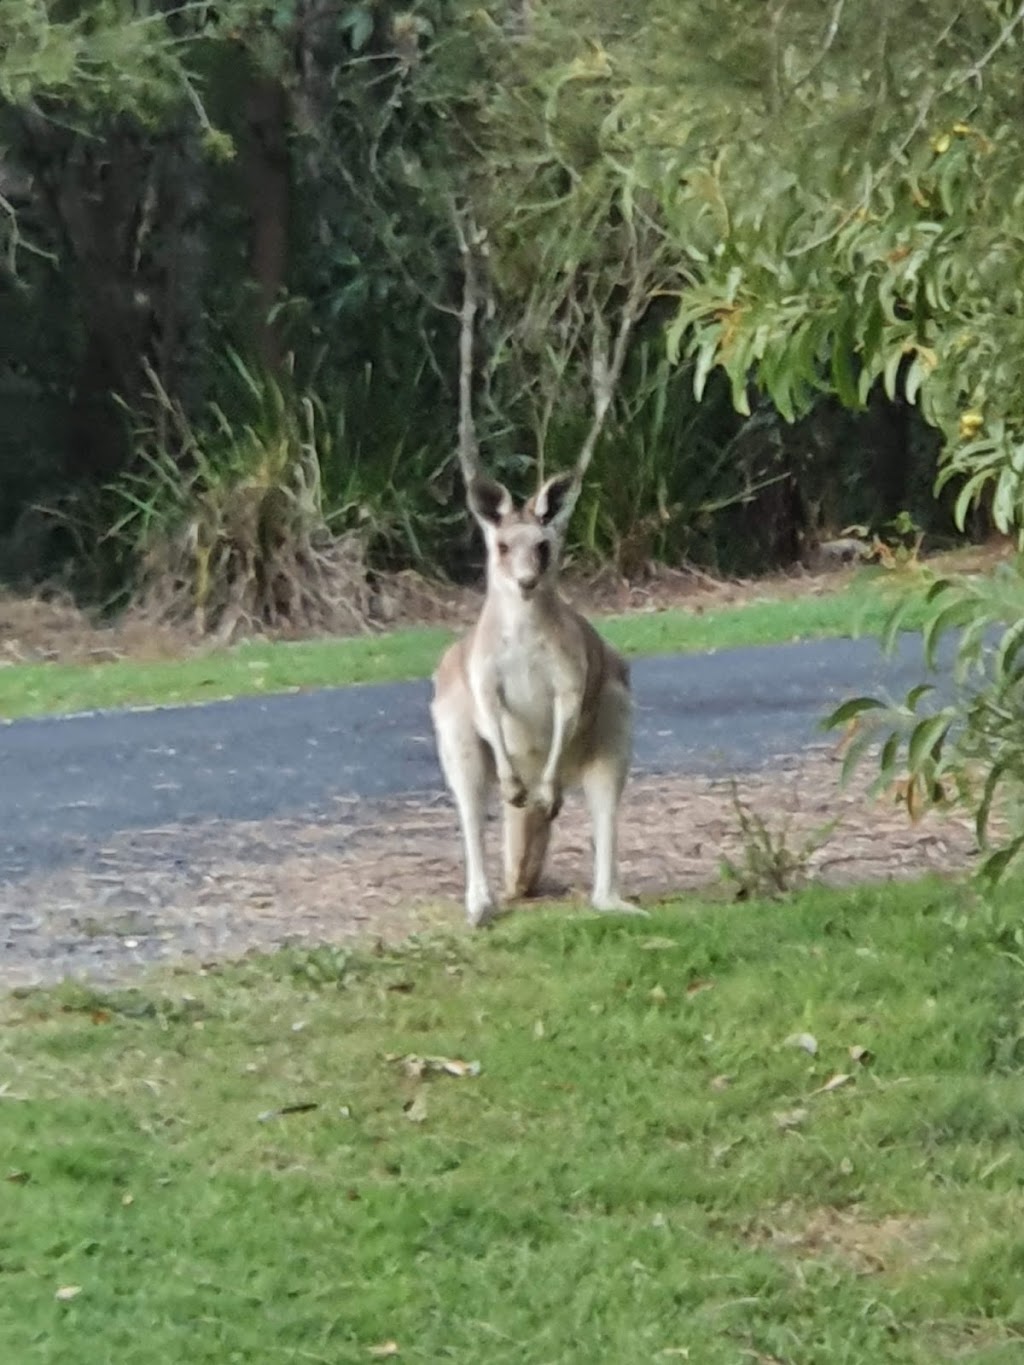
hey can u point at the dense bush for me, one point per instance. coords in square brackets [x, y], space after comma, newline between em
[820, 209]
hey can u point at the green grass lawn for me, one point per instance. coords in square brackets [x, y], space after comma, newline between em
[38, 689]
[643, 1170]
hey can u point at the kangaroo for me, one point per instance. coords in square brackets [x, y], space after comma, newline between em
[531, 698]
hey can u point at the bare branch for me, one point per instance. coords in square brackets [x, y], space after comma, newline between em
[831, 33]
[974, 71]
[469, 446]
[606, 367]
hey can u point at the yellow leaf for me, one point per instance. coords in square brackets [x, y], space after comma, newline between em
[940, 144]
[970, 424]
[791, 1118]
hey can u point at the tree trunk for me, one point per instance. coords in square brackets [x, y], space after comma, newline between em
[268, 186]
[887, 437]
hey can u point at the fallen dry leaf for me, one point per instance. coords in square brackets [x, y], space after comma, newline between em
[790, 1118]
[807, 1041]
[453, 1067]
[384, 1349]
[538, 1029]
[860, 1054]
[67, 1292]
[416, 1067]
[654, 945]
[658, 994]
[723, 1149]
[695, 987]
[721, 1082]
[833, 1083]
[17, 1177]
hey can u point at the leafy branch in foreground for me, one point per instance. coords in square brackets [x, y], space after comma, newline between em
[968, 753]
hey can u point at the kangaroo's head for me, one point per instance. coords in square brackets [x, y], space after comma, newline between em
[524, 544]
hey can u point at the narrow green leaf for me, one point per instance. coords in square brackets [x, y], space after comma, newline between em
[916, 693]
[856, 706]
[984, 811]
[994, 868]
[926, 740]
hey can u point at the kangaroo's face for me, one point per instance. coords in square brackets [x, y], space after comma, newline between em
[523, 544]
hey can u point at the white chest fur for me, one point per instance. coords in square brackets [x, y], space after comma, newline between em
[530, 671]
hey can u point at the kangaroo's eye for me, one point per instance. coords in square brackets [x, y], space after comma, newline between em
[543, 555]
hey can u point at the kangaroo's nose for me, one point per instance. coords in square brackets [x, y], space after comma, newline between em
[528, 584]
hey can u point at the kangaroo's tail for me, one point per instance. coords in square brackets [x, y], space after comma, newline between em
[527, 834]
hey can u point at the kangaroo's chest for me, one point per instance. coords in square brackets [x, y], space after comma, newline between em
[528, 676]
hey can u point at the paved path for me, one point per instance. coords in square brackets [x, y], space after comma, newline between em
[67, 785]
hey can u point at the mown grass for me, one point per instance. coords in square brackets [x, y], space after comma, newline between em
[261, 666]
[644, 1170]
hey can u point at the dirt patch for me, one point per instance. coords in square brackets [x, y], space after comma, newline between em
[384, 871]
[50, 628]
[865, 1245]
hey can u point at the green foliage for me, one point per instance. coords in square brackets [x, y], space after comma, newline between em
[863, 227]
[968, 753]
[386, 478]
[109, 56]
[281, 179]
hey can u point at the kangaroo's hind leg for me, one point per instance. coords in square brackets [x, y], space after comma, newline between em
[468, 767]
[603, 778]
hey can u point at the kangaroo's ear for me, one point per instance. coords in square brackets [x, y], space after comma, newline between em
[490, 502]
[553, 504]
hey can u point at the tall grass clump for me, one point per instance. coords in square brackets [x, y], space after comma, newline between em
[226, 520]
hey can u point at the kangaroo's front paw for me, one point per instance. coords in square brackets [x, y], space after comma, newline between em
[513, 790]
[549, 799]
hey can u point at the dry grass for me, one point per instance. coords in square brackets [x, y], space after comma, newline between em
[860, 1243]
[48, 627]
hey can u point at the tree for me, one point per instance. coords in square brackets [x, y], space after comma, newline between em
[862, 225]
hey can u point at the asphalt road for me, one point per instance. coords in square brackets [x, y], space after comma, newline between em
[68, 785]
